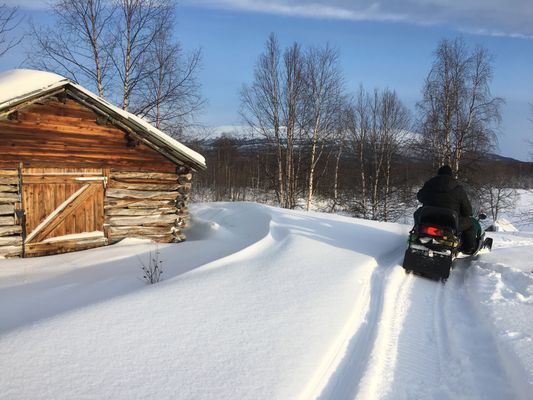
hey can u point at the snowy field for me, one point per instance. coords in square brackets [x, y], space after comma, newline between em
[266, 303]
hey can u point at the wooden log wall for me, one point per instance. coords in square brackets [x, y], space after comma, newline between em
[149, 205]
[145, 195]
[55, 133]
[10, 228]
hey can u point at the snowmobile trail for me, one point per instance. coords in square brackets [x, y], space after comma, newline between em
[443, 345]
[419, 339]
[389, 322]
[368, 341]
[472, 344]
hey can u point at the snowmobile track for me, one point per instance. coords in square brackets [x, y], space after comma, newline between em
[441, 347]
[382, 315]
[472, 344]
[422, 332]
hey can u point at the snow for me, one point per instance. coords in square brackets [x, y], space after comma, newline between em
[266, 303]
[18, 84]
[503, 225]
[522, 215]
[21, 83]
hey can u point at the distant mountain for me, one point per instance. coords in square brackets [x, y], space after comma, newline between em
[500, 158]
[240, 135]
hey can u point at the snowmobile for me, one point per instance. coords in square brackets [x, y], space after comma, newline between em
[435, 242]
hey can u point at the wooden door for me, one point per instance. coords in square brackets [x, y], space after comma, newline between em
[64, 209]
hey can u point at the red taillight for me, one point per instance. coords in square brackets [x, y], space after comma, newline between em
[431, 231]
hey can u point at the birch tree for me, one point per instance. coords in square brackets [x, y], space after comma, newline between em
[261, 107]
[170, 96]
[125, 50]
[394, 122]
[531, 120]
[293, 90]
[79, 45]
[458, 113]
[324, 99]
[358, 125]
[377, 123]
[138, 24]
[295, 101]
[340, 141]
[498, 197]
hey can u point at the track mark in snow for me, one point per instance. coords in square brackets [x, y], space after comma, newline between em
[379, 374]
[418, 362]
[445, 350]
[359, 352]
[480, 370]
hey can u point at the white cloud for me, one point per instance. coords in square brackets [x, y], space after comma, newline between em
[28, 4]
[493, 17]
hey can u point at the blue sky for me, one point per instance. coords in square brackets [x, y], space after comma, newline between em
[385, 44]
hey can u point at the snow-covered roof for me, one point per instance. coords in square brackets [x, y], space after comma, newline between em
[19, 85]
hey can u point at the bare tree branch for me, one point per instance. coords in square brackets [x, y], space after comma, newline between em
[459, 114]
[8, 23]
[377, 124]
[138, 24]
[170, 95]
[78, 45]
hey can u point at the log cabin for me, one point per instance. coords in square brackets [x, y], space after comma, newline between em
[76, 172]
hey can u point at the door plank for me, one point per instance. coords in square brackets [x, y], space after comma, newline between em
[61, 212]
[67, 212]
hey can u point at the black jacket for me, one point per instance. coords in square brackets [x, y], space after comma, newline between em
[444, 191]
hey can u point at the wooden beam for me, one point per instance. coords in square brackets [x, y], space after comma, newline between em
[7, 221]
[8, 188]
[26, 103]
[7, 209]
[10, 230]
[10, 251]
[63, 246]
[140, 211]
[8, 172]
[137, 203]
[143, 220]
[8, 198]
[134, 230]
[140, 194]
[144, 186]
[8, 180]
[61, 179]
[62, 174]
[143, 175]
[10, 241]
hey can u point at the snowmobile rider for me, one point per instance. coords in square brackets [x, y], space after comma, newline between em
[444, 191]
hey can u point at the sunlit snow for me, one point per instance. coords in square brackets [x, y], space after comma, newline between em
[266, 303]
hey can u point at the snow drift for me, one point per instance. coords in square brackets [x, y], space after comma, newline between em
[265, 303]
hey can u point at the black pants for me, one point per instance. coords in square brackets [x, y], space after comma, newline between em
[468, 239]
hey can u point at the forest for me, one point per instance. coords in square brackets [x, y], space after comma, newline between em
[309, 141]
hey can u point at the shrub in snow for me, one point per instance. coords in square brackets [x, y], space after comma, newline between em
[153, 269]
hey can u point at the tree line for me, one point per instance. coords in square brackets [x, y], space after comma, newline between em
[362, 151]
[124, 50]
[310, 137]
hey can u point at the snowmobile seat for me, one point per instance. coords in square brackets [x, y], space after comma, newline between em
[445, 217]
